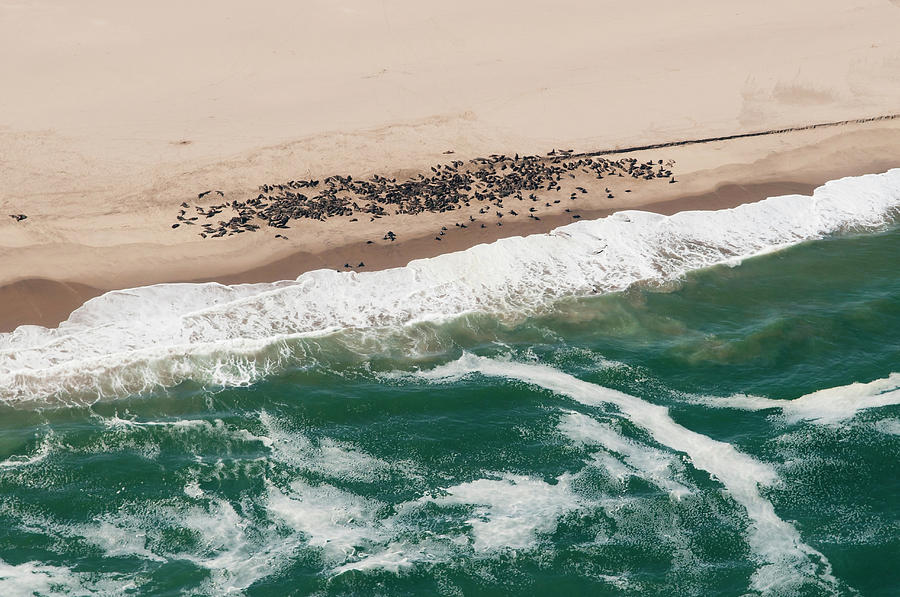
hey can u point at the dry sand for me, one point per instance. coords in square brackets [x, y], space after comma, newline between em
[116, 114]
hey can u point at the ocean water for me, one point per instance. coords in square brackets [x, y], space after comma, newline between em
[698, 404]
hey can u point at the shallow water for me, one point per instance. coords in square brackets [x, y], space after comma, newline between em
[643, 427]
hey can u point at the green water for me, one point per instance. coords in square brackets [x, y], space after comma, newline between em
[350, 474]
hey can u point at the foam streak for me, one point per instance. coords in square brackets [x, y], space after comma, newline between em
[824, 407]
[786, 560]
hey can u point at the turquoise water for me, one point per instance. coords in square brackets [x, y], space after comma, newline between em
[618, 444]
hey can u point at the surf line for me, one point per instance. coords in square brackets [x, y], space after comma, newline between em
[785, 559]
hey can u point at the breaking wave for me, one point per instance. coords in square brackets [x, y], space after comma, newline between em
[129, 341]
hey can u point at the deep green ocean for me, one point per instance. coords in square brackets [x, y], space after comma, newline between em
[728, 425]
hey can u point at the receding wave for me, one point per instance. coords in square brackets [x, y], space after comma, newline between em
[129, 341]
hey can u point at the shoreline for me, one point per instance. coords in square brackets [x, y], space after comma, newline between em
[155, 114]
[400, 254]
[55, 278]
[711, 175]
[48, 302]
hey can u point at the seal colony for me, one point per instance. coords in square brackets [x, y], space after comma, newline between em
[478, 187]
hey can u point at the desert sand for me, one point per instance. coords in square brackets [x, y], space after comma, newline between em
[115, 114]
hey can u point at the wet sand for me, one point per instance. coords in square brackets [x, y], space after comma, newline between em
[48, 302]
[42, 282]
[41, 302]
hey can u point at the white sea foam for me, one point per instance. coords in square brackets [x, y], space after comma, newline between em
[656, 466]
[240, 542]
[326, 456]
[511, 512]
[231, 546]
[303, 512]
[347, 531]
[506, 515]
[508, 512]
[333, 520]
[32, 578]
[824, 407]
[128, 341]
[785, 560]
[20, 461]
[889, 426]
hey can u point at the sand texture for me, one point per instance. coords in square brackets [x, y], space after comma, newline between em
[116, 114]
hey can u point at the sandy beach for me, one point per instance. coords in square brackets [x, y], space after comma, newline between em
[355, 297]
[121, 115]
